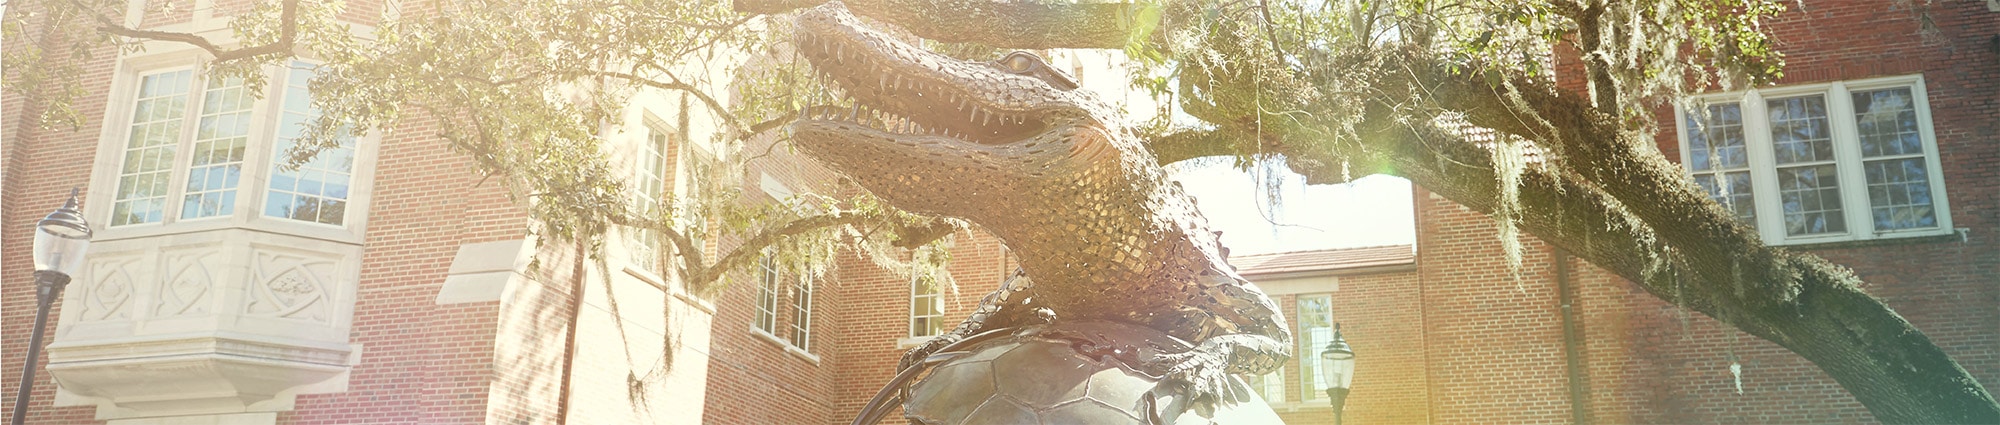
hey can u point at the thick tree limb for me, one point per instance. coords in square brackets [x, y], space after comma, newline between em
[1196, 143]
[1799, 301]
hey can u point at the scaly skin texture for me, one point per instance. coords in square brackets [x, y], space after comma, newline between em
[1012, 146]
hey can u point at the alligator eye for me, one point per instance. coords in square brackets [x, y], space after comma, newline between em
[1019, 64]
[1026, 63]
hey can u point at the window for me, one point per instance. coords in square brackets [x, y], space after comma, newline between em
[185, 145]
[926, 306]
[1315, 331]
[802, 307]
[1270, 386]
[767, 295]
[649, 194]
[316, 191]
[784, 302]
[1853, 160]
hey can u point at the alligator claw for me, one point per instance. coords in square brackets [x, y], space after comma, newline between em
[1203, 372]
[917, 355]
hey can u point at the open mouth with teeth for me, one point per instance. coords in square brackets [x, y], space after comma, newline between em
[887, 86]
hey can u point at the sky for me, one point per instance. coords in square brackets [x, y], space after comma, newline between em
[1370, 211]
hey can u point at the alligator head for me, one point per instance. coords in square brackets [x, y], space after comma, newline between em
[1013, 146]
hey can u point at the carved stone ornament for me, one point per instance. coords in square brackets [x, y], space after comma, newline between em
[217, 326]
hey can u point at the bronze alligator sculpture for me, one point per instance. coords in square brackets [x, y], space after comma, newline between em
[1014, 146]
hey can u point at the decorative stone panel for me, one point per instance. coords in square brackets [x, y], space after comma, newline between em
[223, 323]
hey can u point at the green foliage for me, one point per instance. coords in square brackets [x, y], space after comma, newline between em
[527, 90]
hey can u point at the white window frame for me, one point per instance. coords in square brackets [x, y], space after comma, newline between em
[935, 297]
[253, 187]
[1311, 388]
[1770, 222]
[801, 311]
[765, 318]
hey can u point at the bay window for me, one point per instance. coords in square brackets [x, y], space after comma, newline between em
[191, 143]
[1841, 161]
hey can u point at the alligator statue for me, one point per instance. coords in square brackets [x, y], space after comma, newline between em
[1014, 146]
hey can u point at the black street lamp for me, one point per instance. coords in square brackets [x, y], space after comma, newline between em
[1336, 369]
[60, 242]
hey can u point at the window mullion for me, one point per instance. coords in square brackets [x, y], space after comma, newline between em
[1763, 168]
[1847, 156]
[258, 143]
[184, 146]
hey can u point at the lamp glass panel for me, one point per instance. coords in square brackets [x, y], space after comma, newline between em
[60, 249]
[1343, 372]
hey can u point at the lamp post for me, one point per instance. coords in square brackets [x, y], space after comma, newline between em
[1336, 369]
[60, 242]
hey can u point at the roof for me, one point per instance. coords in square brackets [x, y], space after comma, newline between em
[1324, 260]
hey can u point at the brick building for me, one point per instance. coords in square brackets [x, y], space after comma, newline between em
[389, 285]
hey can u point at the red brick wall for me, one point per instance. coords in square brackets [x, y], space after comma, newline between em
[753, 379]
[1494, 340]
[1947, 288]
[42, 165]
[1380, 314]
[422, 362]
[877, 314]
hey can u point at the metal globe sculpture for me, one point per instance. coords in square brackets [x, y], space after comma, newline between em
[1068, 373]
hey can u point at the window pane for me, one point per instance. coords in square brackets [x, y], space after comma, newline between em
[1887, 120]
[1716, 140]
[317, 190]
[1811, 199]
[648, 192]
[926, 306]
[1315, 331]
[1736, 196]
[1899, 194]
[222, 132]
[767, 295]
[149, 150]
[1799, 130]
[802, 294]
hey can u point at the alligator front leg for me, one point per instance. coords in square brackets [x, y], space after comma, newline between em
[1260, 344]
[1011, 305]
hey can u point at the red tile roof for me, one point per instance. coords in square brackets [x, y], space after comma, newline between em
[1325, 259]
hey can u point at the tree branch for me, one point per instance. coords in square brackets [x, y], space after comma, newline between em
[287, 35]
[675, 83]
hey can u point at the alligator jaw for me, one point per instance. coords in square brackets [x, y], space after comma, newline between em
[899, 90]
